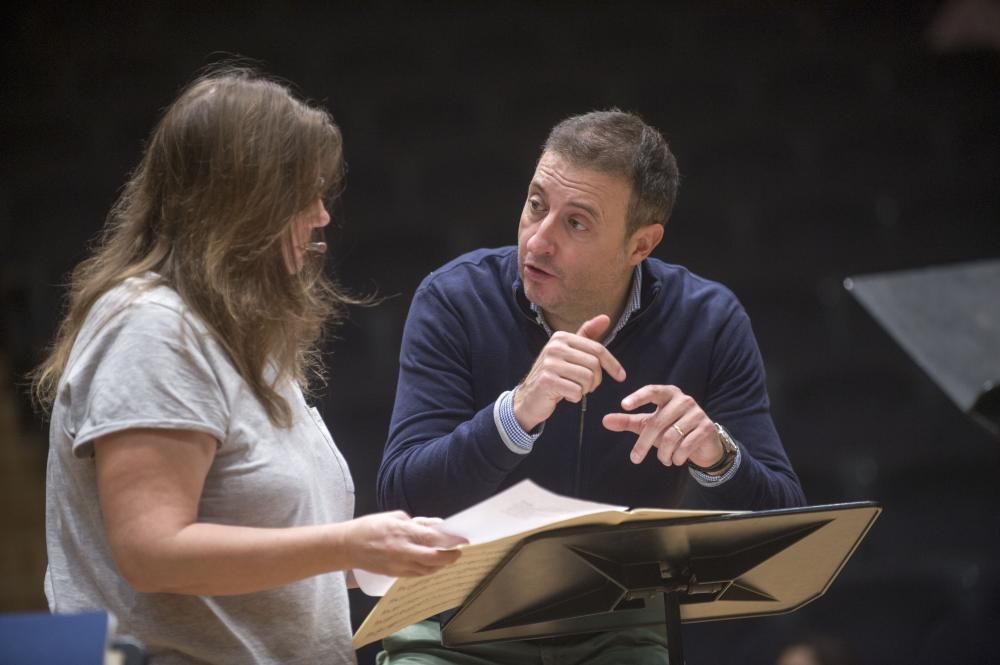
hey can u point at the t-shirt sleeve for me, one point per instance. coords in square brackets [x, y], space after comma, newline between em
[150, 369]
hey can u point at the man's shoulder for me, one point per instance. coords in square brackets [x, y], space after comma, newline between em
[680, 282]
[476, 288]
[480, 269]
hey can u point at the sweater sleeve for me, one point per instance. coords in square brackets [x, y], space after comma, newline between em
[738, 400]
[444, 451]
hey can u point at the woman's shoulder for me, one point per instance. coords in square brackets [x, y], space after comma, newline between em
[144, 304]
[148, 291]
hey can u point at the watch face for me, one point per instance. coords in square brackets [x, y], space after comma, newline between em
[726, 439]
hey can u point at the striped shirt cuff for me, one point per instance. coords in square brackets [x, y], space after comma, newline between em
[706, 480]
[513, 435]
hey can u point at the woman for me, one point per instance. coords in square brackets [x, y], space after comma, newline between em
[191, 490]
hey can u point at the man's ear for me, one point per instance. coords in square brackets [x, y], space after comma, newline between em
[643, 242]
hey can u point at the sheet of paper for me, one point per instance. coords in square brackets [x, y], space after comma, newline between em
[413, 599]
[517, 509]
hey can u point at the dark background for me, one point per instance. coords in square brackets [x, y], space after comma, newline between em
[816, 141]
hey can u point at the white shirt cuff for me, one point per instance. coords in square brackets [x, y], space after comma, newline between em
[511, 432]
[706, 480]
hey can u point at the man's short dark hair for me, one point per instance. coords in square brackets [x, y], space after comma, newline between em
[619, 143]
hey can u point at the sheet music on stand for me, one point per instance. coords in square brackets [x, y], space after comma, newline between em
[493, 527]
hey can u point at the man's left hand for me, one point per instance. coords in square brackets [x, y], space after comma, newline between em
[678, 428]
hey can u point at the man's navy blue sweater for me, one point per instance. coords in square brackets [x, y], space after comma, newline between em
[471, 335]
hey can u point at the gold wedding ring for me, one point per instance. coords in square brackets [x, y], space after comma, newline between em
[679, 430]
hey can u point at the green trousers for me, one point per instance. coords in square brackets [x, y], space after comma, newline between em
[421, 643]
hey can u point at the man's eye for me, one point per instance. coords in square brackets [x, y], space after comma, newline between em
[535, 204]
[577, 225]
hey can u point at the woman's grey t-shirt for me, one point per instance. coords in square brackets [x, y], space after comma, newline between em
[143, 359]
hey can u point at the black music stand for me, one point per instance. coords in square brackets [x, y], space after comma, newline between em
[650, 573]
[947, 318]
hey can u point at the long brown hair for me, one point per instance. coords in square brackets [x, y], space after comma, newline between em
[208, 208]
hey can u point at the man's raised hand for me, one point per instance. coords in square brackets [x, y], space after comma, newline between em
[570, 366]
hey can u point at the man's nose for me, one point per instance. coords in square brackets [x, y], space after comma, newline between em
[542, 241]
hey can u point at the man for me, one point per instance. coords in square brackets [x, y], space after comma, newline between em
[505, 352]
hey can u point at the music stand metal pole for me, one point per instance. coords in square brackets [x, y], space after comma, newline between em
[672, 613]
